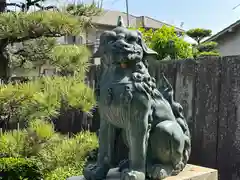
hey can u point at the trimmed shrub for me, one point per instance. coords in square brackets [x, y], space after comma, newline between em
[57, 156]
[43, 98]
[19, 169]
[167, 43]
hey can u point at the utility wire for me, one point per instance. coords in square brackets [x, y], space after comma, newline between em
[113, 2]
[236, 7]
[106, 11]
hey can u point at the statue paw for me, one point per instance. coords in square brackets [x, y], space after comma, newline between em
[132, 175]
[159, 171]
[178, 168]
[94, 172]
[123, 165]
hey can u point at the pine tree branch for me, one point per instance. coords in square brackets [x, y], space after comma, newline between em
[83, 10]
[26, 6]
[18, 27]
[32, 53]
[36, 32]
[14, 4]
[46, 8]
[30, 2]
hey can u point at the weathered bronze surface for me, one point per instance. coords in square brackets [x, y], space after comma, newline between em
[152, 123]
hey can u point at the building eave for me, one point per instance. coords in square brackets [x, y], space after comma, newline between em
[224, 31]
[154, 23]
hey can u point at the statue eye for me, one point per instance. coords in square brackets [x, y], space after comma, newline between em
[138, 76]
[121, 36]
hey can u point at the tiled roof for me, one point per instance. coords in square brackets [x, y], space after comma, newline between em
[109, 18]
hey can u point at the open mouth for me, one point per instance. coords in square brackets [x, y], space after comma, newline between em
[126, 55]
[128, 49]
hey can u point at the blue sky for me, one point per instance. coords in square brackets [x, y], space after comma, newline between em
[211, 14]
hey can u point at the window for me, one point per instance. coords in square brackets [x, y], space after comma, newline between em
[74, 40]
[98, 34]
[69, 39]
[49, 72]
[79, 40]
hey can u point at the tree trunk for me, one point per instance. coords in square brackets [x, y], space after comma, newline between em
[2, 5]
[4, 63]
[4, 68]
[3, 59]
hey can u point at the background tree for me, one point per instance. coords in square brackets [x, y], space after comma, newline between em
[205, 48]
[167, 43]
[28, 140]
[28, 39]
[25, 33]
[199, 34]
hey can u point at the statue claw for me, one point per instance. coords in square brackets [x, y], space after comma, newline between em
[132, 175]
[178, 168]
[159, 172]
[94, 172]
[123, 165]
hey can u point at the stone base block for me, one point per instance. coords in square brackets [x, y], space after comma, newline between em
[191, 172]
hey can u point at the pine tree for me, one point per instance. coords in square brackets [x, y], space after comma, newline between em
[202, 48]
[36, 31]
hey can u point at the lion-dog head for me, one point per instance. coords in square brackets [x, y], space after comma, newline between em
[122, 45]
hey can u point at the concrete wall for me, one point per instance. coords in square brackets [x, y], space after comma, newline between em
[35, 72]
[209, 91]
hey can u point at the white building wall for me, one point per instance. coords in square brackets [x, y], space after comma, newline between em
[229, 44]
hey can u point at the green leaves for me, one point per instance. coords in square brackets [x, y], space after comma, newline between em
[210, 53]
[57, 157]
[19, 168]
[20, 26]
[42, 99]
[198, 34]
[35, 102]
[202, 49]
[66, 58]
[71, 58]
[207, 46]
[166, 43]
[32, 29]
[83, 10]
[31, 53]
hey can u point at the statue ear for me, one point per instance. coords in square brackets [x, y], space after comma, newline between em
[105, 37]
[146, 50]
[101, 46]
[97, 54]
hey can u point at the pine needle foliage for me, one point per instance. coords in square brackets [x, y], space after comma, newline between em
[42, 98]
[58, 157]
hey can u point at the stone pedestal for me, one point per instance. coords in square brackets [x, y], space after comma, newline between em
[191, 172]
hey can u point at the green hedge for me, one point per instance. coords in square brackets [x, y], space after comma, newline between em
[40, 147]
[19, 169]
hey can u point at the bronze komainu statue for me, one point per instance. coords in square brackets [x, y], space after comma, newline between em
[152, 123]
